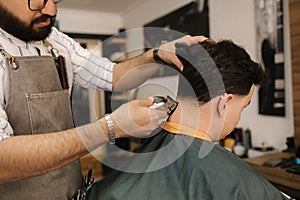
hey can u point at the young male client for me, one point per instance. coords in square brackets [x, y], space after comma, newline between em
[186, 163]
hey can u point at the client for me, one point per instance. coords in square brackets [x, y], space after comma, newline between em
[186, 161]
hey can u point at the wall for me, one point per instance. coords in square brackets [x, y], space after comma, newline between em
[239, 20]
[233, 19]
[149, 10]
[143, 12]
[88, 22]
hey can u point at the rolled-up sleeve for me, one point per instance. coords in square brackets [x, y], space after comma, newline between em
[5, 128]
[94, 72]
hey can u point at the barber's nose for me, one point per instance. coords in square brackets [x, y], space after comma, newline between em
[50, 8]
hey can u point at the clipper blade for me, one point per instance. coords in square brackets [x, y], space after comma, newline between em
[166, 103]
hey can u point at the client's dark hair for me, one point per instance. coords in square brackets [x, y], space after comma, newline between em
[211, 69]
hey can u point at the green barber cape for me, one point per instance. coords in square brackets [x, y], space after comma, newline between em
[183, 168]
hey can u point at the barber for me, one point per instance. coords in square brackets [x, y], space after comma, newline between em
[39, 146]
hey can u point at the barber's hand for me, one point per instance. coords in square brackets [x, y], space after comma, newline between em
[167, 51]
[136, 118]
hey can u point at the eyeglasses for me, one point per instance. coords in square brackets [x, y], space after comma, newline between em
[35, 5]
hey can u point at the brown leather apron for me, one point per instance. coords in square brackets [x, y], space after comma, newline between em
[36, 103]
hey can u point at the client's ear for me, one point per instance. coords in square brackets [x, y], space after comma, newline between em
[223, 103]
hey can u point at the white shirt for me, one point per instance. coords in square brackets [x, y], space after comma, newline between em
[83, 68]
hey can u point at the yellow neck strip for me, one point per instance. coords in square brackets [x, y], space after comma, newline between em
[184, 130]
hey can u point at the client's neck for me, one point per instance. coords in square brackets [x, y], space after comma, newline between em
[189, 113]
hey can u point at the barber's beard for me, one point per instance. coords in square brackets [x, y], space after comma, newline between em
[11, 24]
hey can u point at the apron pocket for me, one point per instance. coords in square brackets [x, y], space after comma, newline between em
[49, 112]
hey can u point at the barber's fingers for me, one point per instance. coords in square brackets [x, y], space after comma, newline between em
[209, 40]
[149, 102]
[142, 107]
[167, 51]
[146, 102]
[198, 39]
[158, 117]
[189, 40]
[137, 119]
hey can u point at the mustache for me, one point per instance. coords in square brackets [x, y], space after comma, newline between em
[43, 18]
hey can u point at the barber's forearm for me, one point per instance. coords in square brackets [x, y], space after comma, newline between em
[123, 80]
[133, 72]
[32, 155]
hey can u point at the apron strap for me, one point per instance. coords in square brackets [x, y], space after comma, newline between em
[60, 65]
[50, 47]
[10, 59]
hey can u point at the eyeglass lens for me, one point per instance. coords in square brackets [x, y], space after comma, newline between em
[38, 4]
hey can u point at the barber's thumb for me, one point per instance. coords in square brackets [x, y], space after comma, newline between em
[147, 102]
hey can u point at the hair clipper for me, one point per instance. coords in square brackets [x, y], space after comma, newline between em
[165, 104]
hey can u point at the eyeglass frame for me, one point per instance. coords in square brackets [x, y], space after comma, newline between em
[43, 6]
